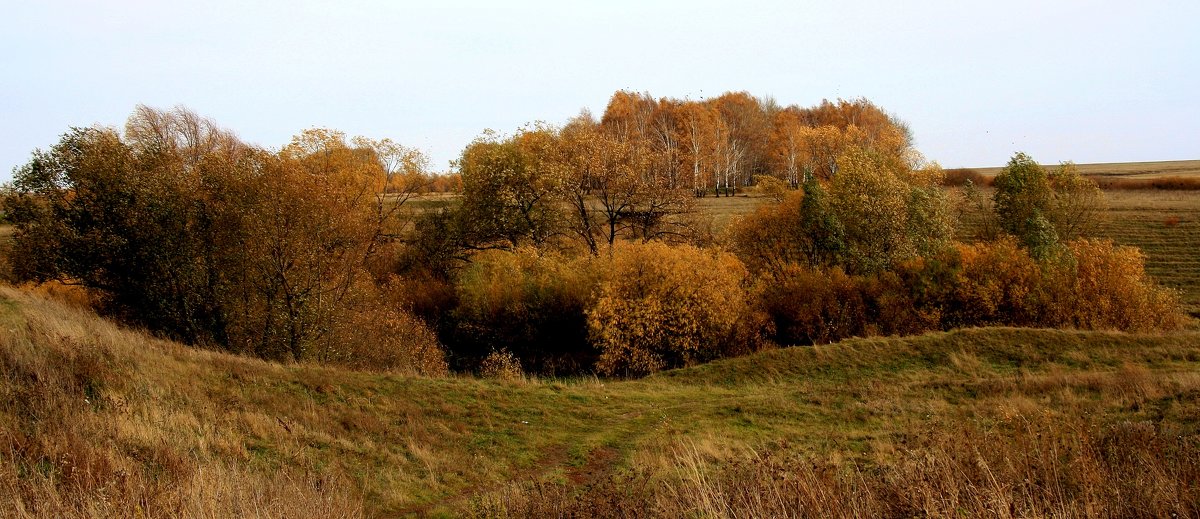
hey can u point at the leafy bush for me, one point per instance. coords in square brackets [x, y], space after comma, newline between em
[662, 307]
[501, 364]
[531, 303]
[1110, 290]
[810, 306]
[384, 339]
[999, 284]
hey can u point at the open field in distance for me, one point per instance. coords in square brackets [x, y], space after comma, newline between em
[1169, 168]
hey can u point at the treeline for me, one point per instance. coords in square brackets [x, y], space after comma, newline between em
[574, 248]
[725, 143]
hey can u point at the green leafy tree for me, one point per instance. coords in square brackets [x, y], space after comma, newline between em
[1023, 202]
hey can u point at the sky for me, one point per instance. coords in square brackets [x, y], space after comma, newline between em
[976, 81]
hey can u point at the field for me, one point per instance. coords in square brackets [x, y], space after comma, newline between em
[1166, 226]
[1171, 168]
[100, 422]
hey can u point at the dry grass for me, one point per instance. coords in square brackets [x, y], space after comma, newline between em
[1029, 424]
[89, 429]
[1161, 183]
[98, 421]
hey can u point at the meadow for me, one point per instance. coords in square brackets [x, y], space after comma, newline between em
[103, 421]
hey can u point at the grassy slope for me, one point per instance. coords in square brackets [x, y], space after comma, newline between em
[100, 421]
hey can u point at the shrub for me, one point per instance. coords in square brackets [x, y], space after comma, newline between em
[773, 236]
[998, 285]
[501, 364]
[917, 296]
[531, 303]
[1112, 291]
[961, 176]
[384, 339]
[1165, 183]
[662, 307]
[810, 306]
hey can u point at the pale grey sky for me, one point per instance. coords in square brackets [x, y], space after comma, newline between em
[1062, 80]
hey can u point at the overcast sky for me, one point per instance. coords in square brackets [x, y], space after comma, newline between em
[1061, 80]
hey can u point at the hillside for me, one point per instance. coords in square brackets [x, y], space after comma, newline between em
[100, 421]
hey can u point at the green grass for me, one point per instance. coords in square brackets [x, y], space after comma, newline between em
[399, 445]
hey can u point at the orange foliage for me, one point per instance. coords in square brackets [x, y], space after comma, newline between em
[1111, 290]
[809, 306]
[662, 307]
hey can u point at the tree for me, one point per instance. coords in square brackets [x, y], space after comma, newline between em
[1078, 202]
[509, 188]
[1040, 208]
[142, 221]
[183, 229]
[1022, 202]
[698, 123]
[749, 122]
[787, 156]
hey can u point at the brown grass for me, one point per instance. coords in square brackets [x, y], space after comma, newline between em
[1015, 458]
[99, 421]
[81, 438]
[1162, 183]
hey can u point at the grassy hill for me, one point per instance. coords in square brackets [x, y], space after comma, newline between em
[100, 421]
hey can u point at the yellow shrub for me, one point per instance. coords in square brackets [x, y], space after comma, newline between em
[662, 307]
[528, 302]
[1112, 290]
[998, 285]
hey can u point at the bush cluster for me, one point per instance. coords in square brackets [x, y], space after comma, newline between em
[1091, 284]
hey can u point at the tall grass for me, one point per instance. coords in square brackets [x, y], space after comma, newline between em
[100, 421]
[73, 443]
[1018, 461]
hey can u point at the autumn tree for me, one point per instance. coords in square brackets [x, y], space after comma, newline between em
[1078, 202]
[510, 188]
[749, 121]
[788, 150]
[889, 212]
[180, 227]
[698, 126]
[140, 220]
